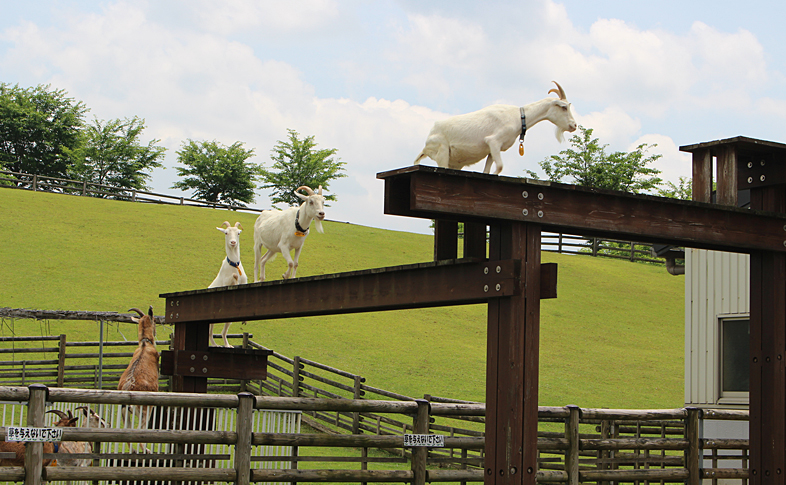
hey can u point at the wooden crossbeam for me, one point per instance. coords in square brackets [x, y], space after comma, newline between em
[430, 192]
[421, 285]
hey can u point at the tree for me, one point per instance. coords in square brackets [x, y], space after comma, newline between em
[111, 154]
[298, 163]
[589, 165]
[36, 126]
[216, 172]
[683, 189]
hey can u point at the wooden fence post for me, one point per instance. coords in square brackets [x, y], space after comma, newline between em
[595, 244]
[84, 187]
[35, 182]
[632, 251]
[572, 453]
[296, 377]
[34, 452]
[693, 454]
[245, 415]
[61, 355]
[420, 453]
[358, 394]
[244, 383]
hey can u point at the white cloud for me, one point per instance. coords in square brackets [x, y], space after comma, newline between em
[673, 164]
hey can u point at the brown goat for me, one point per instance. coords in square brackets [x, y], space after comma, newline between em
[142, 372]
[94, 421]
[49, 447]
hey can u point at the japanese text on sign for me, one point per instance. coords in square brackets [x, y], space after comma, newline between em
[432, 440]
[33, 434]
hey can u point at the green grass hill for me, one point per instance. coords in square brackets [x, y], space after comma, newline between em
[613, 338]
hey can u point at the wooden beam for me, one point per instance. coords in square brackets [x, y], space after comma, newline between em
[579, 210]
[402, 287]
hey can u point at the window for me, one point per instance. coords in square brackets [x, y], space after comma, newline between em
[734, 359]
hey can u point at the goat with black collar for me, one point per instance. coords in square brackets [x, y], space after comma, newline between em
[282, 231]
[231, 272]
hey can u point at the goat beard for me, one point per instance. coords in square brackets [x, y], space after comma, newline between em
[318, 226]
[560, 133]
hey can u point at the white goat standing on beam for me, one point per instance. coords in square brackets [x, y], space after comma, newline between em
[142, 372]
[465, 139]
[283, 231]
[231, 272]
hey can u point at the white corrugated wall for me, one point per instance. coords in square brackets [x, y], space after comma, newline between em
[716, 285]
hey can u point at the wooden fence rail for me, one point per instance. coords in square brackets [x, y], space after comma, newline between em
[582, 453]
[619, 444]
[21, 180]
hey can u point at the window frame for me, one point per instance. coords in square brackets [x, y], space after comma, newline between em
[729, 397]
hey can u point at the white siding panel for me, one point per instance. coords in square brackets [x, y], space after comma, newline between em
[716, 284]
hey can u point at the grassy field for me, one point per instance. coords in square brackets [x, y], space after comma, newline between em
[613, 337]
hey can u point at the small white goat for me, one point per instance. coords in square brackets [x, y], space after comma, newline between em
[283, 231]
[231, 272]
[465, 139]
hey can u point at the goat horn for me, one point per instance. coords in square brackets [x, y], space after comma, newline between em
[225, 225]
[60, 413]
[85, 409]
[306, 188]
[320, 190]
[239, 226]
[560, 93]
[137, 310]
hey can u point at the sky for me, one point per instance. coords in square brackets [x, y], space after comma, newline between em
[370, 78]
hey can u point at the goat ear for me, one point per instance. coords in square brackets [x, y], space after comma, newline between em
[135, 319]
[222, 229]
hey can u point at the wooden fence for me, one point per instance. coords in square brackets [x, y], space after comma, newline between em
[647, 445]
[599, 247]
[20, 180]
[595, 445]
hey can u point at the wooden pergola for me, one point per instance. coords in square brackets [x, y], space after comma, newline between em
[511, 280]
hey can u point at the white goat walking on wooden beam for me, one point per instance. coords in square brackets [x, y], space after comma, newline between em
[231, 272]
[282, 231]
[466, 139]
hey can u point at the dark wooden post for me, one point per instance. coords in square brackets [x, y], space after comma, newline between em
[693, 455]
[512, 361]
[445, 239]
[768, 352]
[192, 336]
[474, 240]
[702, 175]
[726, 176]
